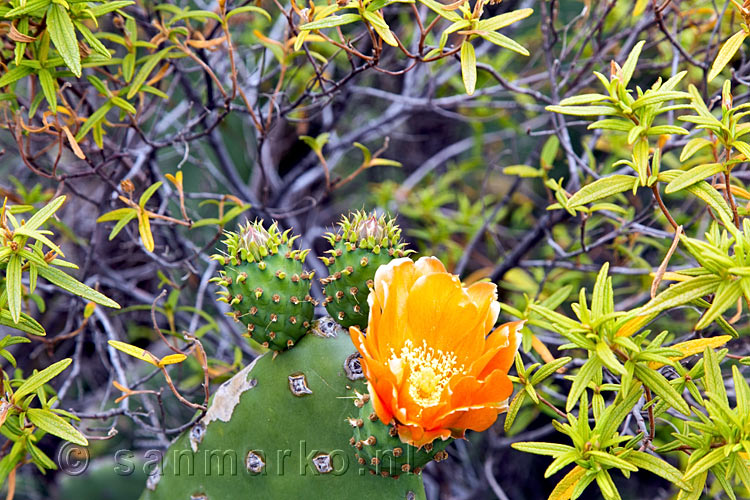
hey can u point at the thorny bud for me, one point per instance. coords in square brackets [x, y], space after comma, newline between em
[127, 186]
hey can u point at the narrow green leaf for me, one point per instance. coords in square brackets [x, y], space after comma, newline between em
[583, 110]
[468, 67]
[540, 448]
[726, 297]
[55, 425]
[13, 286]
[681, 293]
[629, 67]
[145, 71]
[661, 386]
[331, 21]
[15, 74]
[706, 462]
[692, 176]
[602, 188]
[63, 35]
[659, 467]
[585, 374]
[48, 87]
[726, 53]
[37, 380]
[67, 282]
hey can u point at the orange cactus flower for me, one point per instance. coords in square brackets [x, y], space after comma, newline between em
[431, 367]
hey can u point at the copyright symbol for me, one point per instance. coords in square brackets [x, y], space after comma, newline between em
[73, 459]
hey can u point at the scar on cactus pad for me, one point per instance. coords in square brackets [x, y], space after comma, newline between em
[264, 282]
[362, 243]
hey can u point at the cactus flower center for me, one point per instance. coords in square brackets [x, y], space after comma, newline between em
[430, 370]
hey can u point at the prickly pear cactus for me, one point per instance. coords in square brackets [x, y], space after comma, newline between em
[264, 282]
[279, 430]
[362, 244]
[380, 449]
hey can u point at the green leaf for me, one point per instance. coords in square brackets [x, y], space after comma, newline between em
[713, 382]
[612, 124]
[25, 323]
[612, 460]
[497, 22]
[692, 147]
[692, 176]
[15, 74]
[14, 286]
[468, 67]
[37, 380]
[657, 97]
[726, 297]
[48, 87]
[503, 41]
[584, 99]
[92, 40]
[146, 69]
[108, 7]
[659, 467]
[93, 119]
[706, 462]
[524, 171]
[28, 7]
[440, 10]
[615, 413]
[681, 293]
[629, 67]
[41, 216]
[67, 282]
[248, 8]
[539, 448]
[583, 110]
[602, 188]
[134, 351]
[585, 375]
[55, 425]
[661, 386]
[726, 53]
[380, 27]
[63, 35]
[331, 21]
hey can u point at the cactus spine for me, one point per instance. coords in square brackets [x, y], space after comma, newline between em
[264, 282]
[362, 244]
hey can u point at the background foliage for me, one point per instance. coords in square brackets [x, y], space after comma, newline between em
[583, 155]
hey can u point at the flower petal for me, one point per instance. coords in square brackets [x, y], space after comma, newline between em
[484, 295]
[440, 313]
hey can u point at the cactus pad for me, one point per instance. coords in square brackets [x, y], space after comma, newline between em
[278, 430]
[362, 244]
[264, 282]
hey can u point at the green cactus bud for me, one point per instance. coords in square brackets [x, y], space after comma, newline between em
[381, 450]
[362, 243]
[266, 285]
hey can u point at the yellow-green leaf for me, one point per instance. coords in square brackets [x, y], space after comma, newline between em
[134, 351]
[726, 53]
[468, 67]
[55, 425]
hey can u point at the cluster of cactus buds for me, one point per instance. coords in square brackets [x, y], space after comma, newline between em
[380, 449]
[264, 281]
[362, 243]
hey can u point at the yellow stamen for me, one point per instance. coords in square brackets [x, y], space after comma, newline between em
[430, 370]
